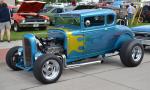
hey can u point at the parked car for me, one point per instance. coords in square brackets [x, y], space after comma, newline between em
[142, 34]
[51, 11]
[145, 15]
[27, 16]
[78, 36]
[80, 7]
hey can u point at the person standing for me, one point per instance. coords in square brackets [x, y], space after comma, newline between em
[5, 21]
[131, 11]
[74, 2]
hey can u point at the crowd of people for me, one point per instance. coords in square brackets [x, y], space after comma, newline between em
[5, 21]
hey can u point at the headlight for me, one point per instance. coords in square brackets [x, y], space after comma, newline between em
[23, 21]
[45, 21]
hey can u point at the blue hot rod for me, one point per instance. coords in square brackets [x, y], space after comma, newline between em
[78, 36]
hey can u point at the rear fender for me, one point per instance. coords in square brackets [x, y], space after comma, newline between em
[123, 38]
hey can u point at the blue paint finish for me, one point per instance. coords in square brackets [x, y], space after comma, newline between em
[117, 4]
[37, 55]
[34, 50]
[53, 33]
[97, 40]
[145, 28]
[33, 46]
[88, 12]
[123, 38]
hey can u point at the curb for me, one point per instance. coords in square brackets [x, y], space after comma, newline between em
[3, 54]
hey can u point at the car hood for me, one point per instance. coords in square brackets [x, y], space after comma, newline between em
[31, 7]
[145, 28]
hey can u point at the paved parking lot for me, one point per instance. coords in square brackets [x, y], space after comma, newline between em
[111, 75]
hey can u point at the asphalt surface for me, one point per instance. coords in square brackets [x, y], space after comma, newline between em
[111, 75]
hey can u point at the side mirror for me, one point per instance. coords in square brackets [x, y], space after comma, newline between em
[87, 23]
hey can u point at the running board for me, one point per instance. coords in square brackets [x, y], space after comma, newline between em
[79, 64]
[82, 64]
[99, 59]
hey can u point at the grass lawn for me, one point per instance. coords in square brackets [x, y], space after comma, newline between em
[19, 35]
[42, 33]
[139, 24]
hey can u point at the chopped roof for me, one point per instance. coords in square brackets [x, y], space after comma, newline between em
[88, 12]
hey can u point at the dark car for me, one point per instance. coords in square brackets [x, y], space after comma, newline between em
[145, 14]
[80, 7]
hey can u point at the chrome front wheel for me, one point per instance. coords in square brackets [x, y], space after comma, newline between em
[48, 68]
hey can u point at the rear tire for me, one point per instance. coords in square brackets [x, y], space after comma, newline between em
[131, 53]
[12, 58]
[48, 68]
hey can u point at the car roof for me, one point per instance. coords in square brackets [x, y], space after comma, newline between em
[89, 12]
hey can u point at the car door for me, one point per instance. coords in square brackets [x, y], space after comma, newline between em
[98, 35]
[94, 33]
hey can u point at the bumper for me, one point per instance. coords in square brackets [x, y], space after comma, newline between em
[143, 38]
[34, 24]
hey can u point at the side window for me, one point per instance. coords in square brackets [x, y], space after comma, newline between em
[54, 11]
[94, 21]
[110, 19]
[59, 10]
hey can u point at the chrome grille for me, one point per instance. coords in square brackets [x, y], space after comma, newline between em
[27, 52]
[35, 20]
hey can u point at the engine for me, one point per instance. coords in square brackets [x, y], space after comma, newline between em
[51, 46]
[33, 44]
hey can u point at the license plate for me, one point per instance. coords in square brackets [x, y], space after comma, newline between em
[35, 25]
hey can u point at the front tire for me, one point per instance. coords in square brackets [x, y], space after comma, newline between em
[131, 53]
[48, 68]
[12, 58]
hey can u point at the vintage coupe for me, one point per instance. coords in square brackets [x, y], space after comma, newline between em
[79, 35]
[27, 16]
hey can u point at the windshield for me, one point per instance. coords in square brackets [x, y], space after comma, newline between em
[46, 9]
[73, 21]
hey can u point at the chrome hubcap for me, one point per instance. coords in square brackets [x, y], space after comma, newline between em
[50, 69]
[136, 53]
